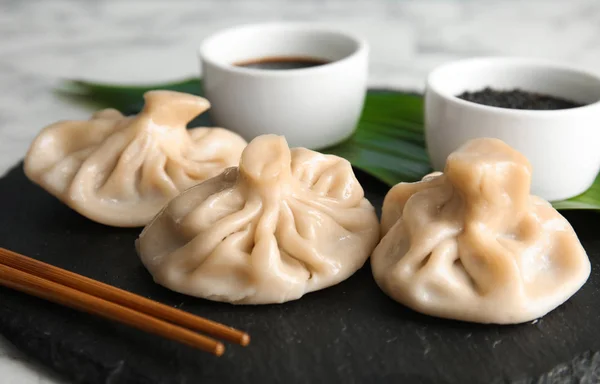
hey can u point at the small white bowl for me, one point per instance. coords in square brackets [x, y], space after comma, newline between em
[312, 107]
[562, 145]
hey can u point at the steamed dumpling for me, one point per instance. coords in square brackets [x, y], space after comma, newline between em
[283, 223]
[121, 171]
[472, 243]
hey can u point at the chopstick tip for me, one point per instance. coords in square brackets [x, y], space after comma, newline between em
[245, 340]
[219, 349]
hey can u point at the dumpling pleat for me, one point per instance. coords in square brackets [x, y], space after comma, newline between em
[298, 247]
[154, 177]
[123, 180]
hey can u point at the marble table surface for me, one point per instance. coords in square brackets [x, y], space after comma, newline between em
[44, 42]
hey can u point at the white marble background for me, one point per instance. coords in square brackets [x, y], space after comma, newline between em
[44, 41]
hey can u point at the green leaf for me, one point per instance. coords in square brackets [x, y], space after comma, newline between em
[590, 199]
[388, 143]
[121, 97]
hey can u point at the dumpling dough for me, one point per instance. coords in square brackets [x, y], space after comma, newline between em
[283, 223]
[121, 171]
[472, 243]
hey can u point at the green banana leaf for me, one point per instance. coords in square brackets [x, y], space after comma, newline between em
[388, 143]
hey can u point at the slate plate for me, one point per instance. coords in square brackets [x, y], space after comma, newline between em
[349, 333]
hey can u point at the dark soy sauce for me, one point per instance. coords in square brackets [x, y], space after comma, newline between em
[281, 63]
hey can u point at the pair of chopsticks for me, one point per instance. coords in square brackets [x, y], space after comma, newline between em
[81, 293]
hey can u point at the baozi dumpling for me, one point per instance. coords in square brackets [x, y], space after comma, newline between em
[472, 243]
[283, 223]
[121, 171]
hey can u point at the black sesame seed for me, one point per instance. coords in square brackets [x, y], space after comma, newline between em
[517, 99]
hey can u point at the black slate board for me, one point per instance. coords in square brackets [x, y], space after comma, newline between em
[349, 333]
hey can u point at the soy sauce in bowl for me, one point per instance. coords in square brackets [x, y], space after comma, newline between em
[282, 63]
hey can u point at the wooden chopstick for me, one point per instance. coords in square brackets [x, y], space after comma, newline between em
[121, 297]
[51, 291]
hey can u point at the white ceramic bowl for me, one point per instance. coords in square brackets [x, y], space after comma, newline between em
[312, 107]
[563, 146]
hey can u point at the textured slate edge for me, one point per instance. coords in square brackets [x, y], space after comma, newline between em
[582, 369]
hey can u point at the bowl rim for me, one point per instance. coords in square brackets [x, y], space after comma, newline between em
[361, 48]
[432, 86]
